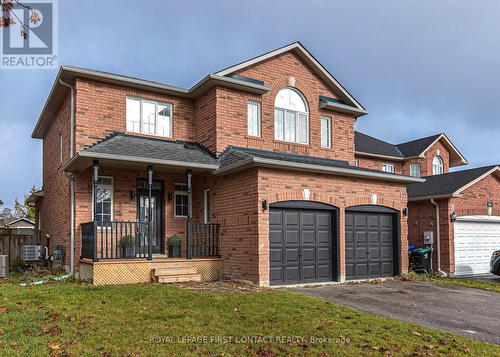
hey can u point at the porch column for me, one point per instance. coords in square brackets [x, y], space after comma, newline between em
[150, 212]
[95, 166]
[95, 178]
[189, 175]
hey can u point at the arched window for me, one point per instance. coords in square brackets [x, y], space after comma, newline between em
[437, 165]
[291, 117]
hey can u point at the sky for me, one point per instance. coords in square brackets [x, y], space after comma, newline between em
[419, 67]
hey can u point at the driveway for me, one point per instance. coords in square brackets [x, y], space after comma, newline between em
[468, 312]
[483, 277]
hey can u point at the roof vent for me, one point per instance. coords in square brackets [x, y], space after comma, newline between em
[190, 146]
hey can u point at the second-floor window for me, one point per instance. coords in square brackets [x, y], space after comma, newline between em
[253, 113]
[437, 165]
[415, 170]
[326, 132]
[388, 168]
[149, 117]
[291, 117]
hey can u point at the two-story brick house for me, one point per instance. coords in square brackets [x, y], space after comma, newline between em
[460, 208]
[254, 167]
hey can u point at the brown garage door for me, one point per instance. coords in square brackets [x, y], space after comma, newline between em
[300, 243]
[369, 245]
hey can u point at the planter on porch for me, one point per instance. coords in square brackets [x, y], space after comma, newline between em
[174, 246]
[127, 244]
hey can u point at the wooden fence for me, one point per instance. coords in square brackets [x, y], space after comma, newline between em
[11, 240]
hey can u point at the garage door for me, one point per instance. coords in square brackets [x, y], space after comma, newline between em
[369, 245]
[475, 240]
[300, 245]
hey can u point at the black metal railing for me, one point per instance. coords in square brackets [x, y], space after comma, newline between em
[204, 241]
[115, 240]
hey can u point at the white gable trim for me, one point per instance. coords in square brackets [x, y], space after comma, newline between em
[307, 56]
[473, 182]
[443, 136]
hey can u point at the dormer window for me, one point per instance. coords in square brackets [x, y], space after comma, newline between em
[149, 117]
[291, 117]
[437, 165]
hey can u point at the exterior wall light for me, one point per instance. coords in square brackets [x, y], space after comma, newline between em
[405, 211]
[453, 217]
[265, 205]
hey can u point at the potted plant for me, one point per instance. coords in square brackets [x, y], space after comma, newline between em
[128, 246]
[174, 246]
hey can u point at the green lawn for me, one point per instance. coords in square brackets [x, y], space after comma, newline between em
[76, 319]
[468, 283]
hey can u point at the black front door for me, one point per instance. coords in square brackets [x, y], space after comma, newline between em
[156, 218]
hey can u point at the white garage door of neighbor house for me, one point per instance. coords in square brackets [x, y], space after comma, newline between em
[476, 238]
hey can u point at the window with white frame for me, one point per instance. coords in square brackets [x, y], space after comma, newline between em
[206, 206]
[415, 170]
[104, 199]
[149, 117]
[180, 200]
[388, 168]
[437, 165]
[253, 118]
[356, 162]
[326, 132]
[291, 117]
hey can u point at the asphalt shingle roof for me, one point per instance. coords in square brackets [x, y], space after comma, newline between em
[135, 146]
[416, 147]
[445, 184]
[369, 144]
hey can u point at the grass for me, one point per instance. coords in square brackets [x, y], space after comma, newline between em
[468, 283]
[71, 318]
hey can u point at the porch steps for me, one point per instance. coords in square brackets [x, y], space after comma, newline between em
[175, 271]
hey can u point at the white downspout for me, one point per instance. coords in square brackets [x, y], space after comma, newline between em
[438, 243]
[71, 182]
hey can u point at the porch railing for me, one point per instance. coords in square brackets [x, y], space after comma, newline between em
[115, 240]
[204, 241]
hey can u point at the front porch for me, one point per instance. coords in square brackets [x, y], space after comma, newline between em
[130, 212]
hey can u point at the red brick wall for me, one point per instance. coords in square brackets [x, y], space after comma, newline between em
[376, 164]
[101, 110]
[275, 72]
[426, 162]
[422, 218]
[54, 209]
[282, 185]
[204, 125]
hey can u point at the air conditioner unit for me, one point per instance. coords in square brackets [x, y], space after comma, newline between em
[31, 252]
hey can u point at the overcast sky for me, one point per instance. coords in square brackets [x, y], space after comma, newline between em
[419, 67]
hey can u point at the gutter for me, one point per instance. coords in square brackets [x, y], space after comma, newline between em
[343, 108]
[136, 159]
[425, 198]
[438, 241]
[71, 182]
[257, 161]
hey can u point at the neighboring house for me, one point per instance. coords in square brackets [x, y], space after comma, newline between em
[468, 201]
[20, 223]
[254, 166]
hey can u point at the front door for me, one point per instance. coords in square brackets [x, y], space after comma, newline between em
[156, 218]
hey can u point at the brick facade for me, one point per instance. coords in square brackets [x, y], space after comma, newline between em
[215, 119]
[422, 216]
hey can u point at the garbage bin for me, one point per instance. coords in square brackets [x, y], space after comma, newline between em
[4, 265]
[420, 260]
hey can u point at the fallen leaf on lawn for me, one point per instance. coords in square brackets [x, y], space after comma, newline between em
[71, 342]
[430, 347]
[416, 333]
[3, 309]
[2, 332]
[465, 350]
[55, 347]
[72, 319]
[13, 344]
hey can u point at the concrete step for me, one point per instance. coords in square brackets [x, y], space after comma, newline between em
[165, 279]
[168, 270]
